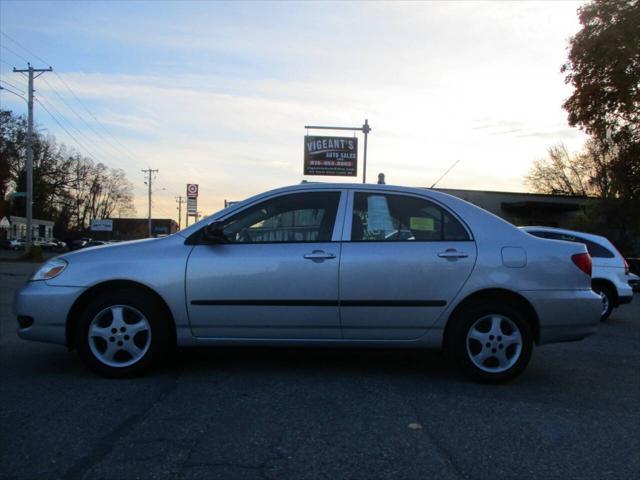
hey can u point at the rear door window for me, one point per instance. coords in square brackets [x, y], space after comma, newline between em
[402, 218]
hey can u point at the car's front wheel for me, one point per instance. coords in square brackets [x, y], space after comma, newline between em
[121, 334]
[492, 341]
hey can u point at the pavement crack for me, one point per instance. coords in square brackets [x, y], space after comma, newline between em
[105, 445]
[443, 452]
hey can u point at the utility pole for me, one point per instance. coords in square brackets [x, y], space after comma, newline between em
[180, 200]
[149, 173]
[30, 71]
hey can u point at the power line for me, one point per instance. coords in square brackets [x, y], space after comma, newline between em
[11, 91]
[66, 131]
[14, 52]
[80, 117]
[25, 48]
[6, 63]
[121, 146]
[94, 117]
[12, 85]
[79, 132]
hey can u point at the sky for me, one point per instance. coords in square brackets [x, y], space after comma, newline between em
[218, 93]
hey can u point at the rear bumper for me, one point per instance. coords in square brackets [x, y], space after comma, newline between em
[565, 315]
[42, 311]
[624, 300]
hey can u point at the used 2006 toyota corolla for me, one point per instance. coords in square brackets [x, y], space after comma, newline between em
[323, 265]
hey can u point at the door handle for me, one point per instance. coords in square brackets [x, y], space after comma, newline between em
[452, 253]
[319, 255]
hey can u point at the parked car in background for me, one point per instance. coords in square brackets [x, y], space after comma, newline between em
[79, 243]
[634, 282]
[320, 265]
[610, 275]
[17, 244]
[95, 243]
[50, 244]
[634, 265]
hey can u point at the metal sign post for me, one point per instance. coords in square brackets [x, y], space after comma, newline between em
[364, 129]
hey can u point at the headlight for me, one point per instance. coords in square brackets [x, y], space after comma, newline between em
[51, 269]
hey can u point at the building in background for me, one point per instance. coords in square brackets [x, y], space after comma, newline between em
[136, 228]
[526, 208]
[15, 228]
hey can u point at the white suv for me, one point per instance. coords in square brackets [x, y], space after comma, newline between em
[610, 272]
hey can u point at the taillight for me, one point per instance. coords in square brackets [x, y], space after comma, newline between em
[626, 265]
[583, 262]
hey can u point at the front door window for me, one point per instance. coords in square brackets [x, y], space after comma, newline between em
[302, 217]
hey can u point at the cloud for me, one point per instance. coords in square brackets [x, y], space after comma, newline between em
[218, 94]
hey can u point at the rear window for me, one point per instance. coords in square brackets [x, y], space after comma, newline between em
[595, 250]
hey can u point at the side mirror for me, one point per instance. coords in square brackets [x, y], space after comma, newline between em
[214, 233]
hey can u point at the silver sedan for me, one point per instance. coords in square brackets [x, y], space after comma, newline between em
[320, 265]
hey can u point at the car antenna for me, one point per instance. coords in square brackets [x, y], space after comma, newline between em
[443, 175]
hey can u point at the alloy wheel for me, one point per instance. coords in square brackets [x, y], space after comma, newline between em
[494, 343]
[119, 336]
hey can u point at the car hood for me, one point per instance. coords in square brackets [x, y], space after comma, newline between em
[100, 250]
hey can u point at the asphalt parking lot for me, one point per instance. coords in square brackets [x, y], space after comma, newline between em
[307, 414]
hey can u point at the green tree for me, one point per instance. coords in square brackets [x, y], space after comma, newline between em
[603, 66]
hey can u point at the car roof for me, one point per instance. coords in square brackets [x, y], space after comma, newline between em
[441, 197]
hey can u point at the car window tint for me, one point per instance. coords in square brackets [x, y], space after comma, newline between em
[537, 233]
[381, 217]
[300, 217]
[596, 250]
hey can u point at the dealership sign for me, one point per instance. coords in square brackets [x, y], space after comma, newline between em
[101, 225]
[337, 156]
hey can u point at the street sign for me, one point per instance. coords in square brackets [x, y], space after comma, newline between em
[334, 156]
[101, 225]
[192, 190]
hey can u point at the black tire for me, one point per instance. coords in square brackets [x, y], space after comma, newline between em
[159, 331]
[476, 312]
[607, 295]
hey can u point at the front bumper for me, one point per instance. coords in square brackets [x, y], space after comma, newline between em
[42, 311]
[565, 315]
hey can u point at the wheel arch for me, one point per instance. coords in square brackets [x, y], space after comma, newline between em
[496, 294]
[609, 285]
[110, 286]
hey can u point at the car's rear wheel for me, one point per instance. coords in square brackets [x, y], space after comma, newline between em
[121, 334]
[606, 296]
[492, 342]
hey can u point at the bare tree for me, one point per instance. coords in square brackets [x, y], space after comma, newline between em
[562, 173]
[68, 187]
